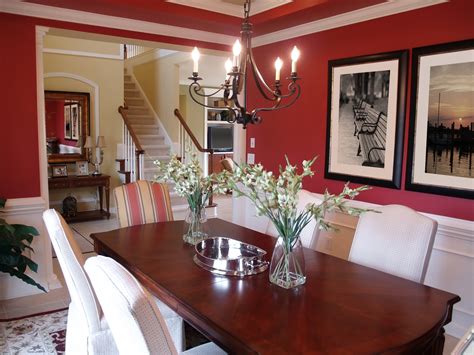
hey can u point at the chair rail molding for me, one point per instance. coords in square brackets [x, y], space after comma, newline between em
[451, 263]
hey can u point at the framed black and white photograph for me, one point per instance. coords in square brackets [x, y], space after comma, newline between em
[59, 170]
[82, 168]
[441, 136]
[366, 110]
[67, 122]
[75, 122]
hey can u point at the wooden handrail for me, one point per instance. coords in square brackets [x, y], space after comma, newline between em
[138, 146]
[198, 146]
[191, 134]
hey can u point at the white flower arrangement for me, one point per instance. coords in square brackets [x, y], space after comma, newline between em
[276, 197]
[189, 181]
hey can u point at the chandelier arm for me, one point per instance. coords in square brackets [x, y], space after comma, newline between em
[292, 87]
[196, 88]
[277, 106]
[259, 81]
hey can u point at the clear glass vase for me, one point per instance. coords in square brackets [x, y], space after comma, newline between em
[287, 267]
[195, 226]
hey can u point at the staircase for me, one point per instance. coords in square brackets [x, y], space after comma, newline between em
[143, 122]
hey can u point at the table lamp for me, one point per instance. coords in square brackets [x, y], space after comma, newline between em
[94, 160]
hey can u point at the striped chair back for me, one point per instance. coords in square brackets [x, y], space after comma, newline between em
[142, 202]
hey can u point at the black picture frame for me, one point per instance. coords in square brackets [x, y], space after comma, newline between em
[364, 144]
[428, 139]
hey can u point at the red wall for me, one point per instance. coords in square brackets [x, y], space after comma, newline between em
[19, 162]
[300, 131]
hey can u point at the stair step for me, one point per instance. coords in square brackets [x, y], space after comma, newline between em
[127, 78]
[129, 85]
[132, 93]
[139, 115]
[143, 122]
[146, 129]
[151, 139]
[165, 150]
[144, 125]
[134, 101]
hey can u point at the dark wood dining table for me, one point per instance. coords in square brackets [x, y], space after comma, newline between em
[343, 308]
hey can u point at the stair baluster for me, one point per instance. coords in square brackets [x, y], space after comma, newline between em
[134, 153]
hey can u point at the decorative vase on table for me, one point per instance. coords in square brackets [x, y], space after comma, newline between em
[277, 198]
[195, 226]
[287, 267]
[190, 183]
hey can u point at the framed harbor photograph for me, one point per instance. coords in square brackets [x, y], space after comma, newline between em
[441, 136]
[366, 111]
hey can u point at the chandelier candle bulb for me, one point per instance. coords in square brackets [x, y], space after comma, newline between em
[195, 55]
[228, 67]
[295, 54]
[278, 66]
[236, 49]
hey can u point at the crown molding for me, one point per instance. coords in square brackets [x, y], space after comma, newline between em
[230, 9]
[390, 7]
[59, 14]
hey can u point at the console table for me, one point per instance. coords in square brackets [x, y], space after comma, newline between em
[71, 182]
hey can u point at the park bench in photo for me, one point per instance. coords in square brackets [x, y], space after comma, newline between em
[372, 135]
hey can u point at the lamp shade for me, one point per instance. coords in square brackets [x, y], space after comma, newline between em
[89, 142]
[101, 142]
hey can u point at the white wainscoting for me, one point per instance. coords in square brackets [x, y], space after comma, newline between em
[451, 266]
[29, 211]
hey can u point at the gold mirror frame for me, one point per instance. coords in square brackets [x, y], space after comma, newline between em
[83, 100]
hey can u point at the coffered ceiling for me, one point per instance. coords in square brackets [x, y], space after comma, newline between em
[216, 15]
[215, 21]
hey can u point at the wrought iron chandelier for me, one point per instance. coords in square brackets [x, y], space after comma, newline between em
[237, 70]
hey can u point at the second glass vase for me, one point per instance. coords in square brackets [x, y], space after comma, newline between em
[195, 226]
[287, 268]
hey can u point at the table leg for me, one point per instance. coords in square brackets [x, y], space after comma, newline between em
[107, 200]
[101, 201]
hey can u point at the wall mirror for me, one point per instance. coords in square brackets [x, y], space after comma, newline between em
[67, 125]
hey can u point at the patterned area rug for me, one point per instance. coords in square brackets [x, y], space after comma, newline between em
[36, 334]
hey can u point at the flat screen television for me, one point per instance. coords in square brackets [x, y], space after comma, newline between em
[221, 139]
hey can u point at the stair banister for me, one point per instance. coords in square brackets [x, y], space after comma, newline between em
[197, 144]
[139, 151]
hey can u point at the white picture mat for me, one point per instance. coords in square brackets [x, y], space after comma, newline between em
[385, 173]
[421, 126]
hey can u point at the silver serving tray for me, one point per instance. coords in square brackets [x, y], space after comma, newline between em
[225, 256]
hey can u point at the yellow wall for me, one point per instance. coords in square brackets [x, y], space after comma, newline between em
[81, 45]
[108, 75]
[159, 80]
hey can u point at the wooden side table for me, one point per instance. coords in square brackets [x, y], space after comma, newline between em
[102, 182]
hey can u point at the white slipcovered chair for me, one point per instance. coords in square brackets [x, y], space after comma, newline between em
[87, 332]
[309, 234]
[136, 322]
[397, 241]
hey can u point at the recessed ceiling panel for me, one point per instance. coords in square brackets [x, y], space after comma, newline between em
[232, 7]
